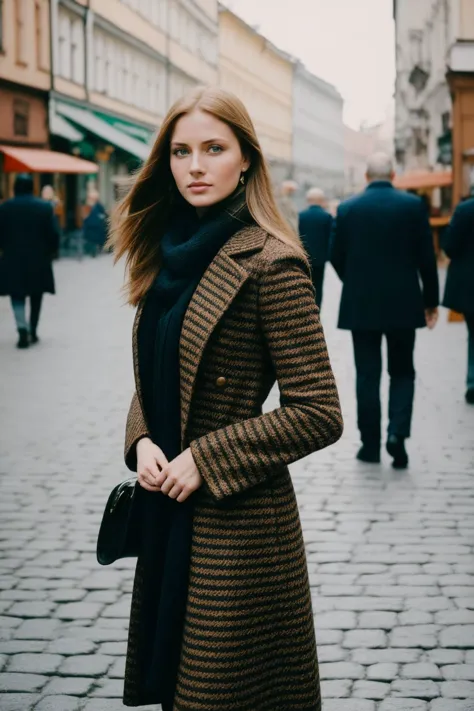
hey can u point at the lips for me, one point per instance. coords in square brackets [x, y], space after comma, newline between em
[199, 185]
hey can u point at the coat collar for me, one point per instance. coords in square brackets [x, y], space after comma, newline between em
[379, 184]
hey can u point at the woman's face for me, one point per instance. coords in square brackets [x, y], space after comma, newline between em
[206, 159]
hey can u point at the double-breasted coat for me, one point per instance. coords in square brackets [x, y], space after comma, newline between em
[248, 642]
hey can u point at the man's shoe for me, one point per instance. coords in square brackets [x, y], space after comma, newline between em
[396, 449]
[23, 340]
[470, 396]
[33, 337]
[371, 455]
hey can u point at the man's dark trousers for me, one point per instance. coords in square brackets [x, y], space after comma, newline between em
[318, 282]
[368, 361]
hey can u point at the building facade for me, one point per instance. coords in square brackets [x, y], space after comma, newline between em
[318, 134]
[430, 36]
[118, 65]
[24, 77]
[262, 76]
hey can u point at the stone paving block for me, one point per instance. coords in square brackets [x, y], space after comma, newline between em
[328, 637]
[68, 646]
[424, 636]
[377, 620]
[66, 595]
[117, 670]
[444, 656]
[332, 653]
[392, 655]
[370, 689]
[7, 622]
[457, 689]
[340, 620]
[18, 702]
[120, 648]
[69, 686]
[37, 629]
[17, 646]
[59, 703]
[469, 656]
[355, 639]
[78, 610]
[430, 604]
[455, 617]
[415, 617]
[421, 670]
[112, 705]
[21, 682]
[32, 609]
[348, 705]
[341, 670]
[109, 688]
[457, 636]
[403, 705]
[86, 665]
[458, 671]
[382, 672]
[35, 663]
[451, 705]
[415, 688]
[335, 689]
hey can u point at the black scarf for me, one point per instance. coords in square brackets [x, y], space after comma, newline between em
[187, 248]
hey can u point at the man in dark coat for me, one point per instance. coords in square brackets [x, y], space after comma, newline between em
[315, 232]
[459, 291]
[95, 224]
[381, 247]
[28, 241]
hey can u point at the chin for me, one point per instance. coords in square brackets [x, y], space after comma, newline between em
[203, 200]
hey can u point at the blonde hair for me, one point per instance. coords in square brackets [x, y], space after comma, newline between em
[139, 219]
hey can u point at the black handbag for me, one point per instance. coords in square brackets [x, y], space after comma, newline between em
[119, 533]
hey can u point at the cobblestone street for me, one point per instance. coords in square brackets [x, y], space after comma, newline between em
[390, 554]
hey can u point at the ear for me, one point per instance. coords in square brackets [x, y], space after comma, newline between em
[245, 165]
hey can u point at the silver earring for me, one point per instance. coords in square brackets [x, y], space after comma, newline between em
[242, 179]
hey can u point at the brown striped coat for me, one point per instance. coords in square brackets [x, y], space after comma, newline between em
[248, 642]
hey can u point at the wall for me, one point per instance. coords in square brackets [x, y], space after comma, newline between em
[262, 77]
[24, 60]
[36, 123]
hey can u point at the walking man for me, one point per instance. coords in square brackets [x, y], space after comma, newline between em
[315, 232]
[459, 292]
[28, 241]
[381, 247]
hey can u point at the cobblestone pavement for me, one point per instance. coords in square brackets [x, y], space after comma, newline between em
[390, 553]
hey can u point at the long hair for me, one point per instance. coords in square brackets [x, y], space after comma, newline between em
[139, 219]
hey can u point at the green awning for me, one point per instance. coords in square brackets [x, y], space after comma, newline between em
[89, 120]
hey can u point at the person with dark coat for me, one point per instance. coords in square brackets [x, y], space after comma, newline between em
[29, 239]
[315, 232]
[381, 247]
[95, 224]
[459, 291]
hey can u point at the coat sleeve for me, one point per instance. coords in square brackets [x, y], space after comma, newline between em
[457, 233]
[427, 266]
[135, 430]
[337, 249]
[243, 454]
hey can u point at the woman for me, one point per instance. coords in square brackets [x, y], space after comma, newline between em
[459, 291]
[221, 611]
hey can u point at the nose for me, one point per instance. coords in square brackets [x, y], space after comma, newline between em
[196, 167]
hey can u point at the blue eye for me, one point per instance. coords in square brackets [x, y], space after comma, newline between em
[180, 152]
[215, 149]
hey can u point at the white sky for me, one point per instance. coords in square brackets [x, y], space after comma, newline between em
[349, 43]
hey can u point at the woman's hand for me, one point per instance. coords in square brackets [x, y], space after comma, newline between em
[182, 477]
[150, 464]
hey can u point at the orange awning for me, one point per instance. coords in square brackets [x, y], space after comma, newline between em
[420, 179]
[37, 160]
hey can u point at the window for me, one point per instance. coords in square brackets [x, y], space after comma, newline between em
[21, 112]
[41, 36]
[20, 31]
[99, 80]
[64, 38]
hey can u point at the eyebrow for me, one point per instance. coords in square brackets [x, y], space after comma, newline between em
[209, 141]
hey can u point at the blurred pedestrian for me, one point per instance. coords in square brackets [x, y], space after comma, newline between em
[459, 291]
[95, 224]
[315, 232]
[285, 202]
[48, 194]
[225, 306]
[28, 240]
[381, 247]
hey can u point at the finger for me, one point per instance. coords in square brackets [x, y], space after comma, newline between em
[168, 484]
[160, 458]
[146, 477]
[152, 471]
[175, 491]
[185, 493]
[144, 484]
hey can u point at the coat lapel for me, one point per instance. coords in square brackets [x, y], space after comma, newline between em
[136, 371]
[218, 287]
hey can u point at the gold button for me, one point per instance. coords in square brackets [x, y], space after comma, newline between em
[221, 381]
